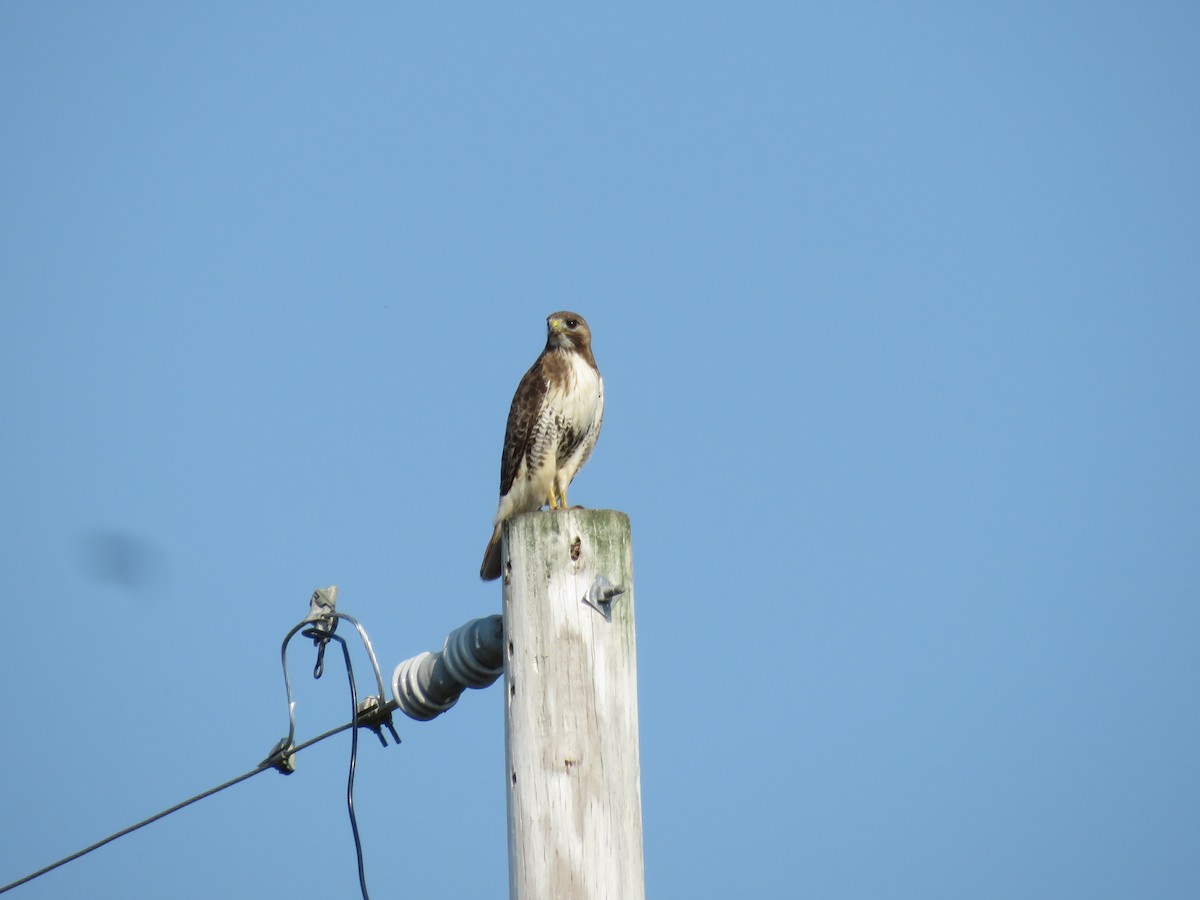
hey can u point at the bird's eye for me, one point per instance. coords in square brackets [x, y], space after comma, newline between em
[572, 323]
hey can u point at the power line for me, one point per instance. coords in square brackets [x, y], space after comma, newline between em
[265, 765]
[262, 767]
[374, 714]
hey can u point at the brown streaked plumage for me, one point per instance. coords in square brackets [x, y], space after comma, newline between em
[553, 424]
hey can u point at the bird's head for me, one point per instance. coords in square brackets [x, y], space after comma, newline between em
[566, 330]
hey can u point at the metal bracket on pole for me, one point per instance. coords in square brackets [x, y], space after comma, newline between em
[601, 596]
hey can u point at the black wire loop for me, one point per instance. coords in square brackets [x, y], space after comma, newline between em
[373, 712]
[319, 668]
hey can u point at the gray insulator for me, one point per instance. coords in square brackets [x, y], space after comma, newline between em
[474, 652]
[430, 683]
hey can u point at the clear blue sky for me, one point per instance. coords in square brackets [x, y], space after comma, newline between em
[898, 307]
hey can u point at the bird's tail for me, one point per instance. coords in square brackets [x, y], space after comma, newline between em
[489, 570]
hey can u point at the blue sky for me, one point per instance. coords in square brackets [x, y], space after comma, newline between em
[897, 306]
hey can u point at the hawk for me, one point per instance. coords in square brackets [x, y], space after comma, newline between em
[552, 427]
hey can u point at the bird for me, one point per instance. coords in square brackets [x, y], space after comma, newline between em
[552, 427]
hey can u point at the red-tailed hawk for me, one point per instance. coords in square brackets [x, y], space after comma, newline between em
[552, 427]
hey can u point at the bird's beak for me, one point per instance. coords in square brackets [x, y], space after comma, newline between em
[556, 325]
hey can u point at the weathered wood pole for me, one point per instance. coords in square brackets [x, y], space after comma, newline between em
[571, 719]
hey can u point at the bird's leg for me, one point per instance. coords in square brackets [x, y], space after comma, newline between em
[558, 497]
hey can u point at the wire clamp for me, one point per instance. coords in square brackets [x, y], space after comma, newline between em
[373, 713]
[281, 757]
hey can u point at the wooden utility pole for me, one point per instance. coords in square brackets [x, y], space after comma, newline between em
[571, 720]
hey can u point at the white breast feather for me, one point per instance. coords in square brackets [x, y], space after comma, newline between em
[583, 398]
[582, 405]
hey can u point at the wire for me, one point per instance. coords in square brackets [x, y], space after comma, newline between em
[262, 767]
[321, 632]
[284, 750]
[133, 828]
[358, 851]
[320, 627]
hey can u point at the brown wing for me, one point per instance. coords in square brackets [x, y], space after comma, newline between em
[522, 418]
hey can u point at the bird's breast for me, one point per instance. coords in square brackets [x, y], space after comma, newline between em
[578, 398]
